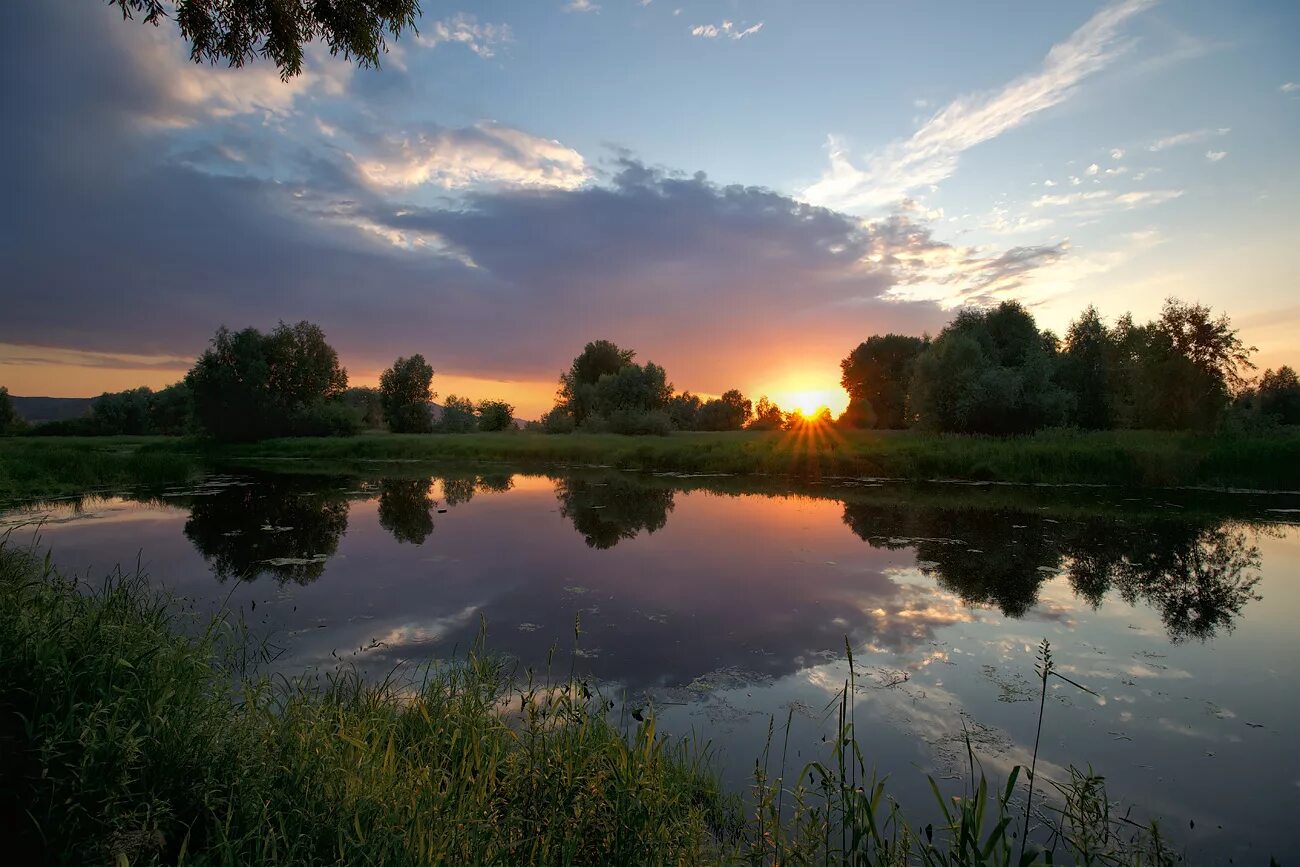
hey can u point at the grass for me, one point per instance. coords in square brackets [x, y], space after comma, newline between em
[50, 466]
[134, 733]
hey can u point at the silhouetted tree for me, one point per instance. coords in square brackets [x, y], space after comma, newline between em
[406, 509]
[495, 415]
[171, 411]
[123, 412]
[367, 403]
[1278, 396]
[729, 412]
[234, 32]
[405, 395]
[767, 416]
[598, 358]
[10, 421]
[877, 375]
[1085, 370]
[248, 385]
[684, 410]
[457, 415]
[988, 372]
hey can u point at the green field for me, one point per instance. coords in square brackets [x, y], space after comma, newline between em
[51, 466]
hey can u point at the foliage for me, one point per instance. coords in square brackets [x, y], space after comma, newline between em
[249, 385]
[126, 412]
[171, 411]
[367, 403]
[457, 415]
[235, 32]
[876, 376]
[1085, 370]
[684, 410]
[558, 421]
[405, 395]
[495, 415]
[597, 359]
[10, 421]
[633, 388]
[767, 416]
[729, 412]
[988, 372]
[1278, 395]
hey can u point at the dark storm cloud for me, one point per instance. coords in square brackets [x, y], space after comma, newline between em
[143, 217]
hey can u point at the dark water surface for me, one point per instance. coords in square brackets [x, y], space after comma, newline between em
[725, 603]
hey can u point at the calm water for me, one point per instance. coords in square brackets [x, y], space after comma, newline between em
[724, 606]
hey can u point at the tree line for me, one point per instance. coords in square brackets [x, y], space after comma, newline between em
[250, 385]
[993, 371]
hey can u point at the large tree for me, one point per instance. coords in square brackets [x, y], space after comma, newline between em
[1085, 370]
[405, 395]
[877, 375]
[732, 411]
[598, 358]
[495, 415]
[988, 371]
[10, 421]
[248, 385]
[234, 32]
[1279, 395]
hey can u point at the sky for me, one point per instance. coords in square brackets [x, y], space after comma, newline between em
[740, 190]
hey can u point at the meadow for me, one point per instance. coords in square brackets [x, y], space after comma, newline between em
[1269, 461]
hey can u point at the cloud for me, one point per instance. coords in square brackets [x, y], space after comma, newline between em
[462, 29]
[1290, 87]
[1092, 170]
[1183, 138]
[1117, 154]
[485, 154]
[1092, 203]
[1214, 156]
[581, 6]
[727, 29]
[932, 153]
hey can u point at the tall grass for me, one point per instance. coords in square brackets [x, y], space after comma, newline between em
[134, 733]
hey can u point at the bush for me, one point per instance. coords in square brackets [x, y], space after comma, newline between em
[559, 421]
[630, 422]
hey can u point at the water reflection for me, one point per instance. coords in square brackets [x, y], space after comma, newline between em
[613, 508]
[406, 509]
[285, 526]
[1197, 574]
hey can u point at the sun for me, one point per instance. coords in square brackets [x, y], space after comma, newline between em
[810, 403]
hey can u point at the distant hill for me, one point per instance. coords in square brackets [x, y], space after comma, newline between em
[39, 409]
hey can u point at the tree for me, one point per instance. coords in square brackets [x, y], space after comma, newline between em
[1278, 395]
[10, 421]
[367, 403]
[495, 415]
[988, 371]
[877, 375]
[248, 385]
[1085, 370]
[234, 32]
[405, 396]
[123, 412]
[683, 410]
[406, 509]
[457, 415]
[767, 416]
[598, 358]
[729, 412]
[632, 388]
[171, 411]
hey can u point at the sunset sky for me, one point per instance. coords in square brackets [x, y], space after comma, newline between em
[741, 190]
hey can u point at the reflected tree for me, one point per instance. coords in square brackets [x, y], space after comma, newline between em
[288, 528]
[406, 509]
[1199, 577]
[610, 510]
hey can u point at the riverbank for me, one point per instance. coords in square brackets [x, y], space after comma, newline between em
[122, 745]
[51, 466]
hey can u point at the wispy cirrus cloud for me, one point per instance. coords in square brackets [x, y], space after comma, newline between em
[1183, 138]
[581, 6]
[932, 152]
[725, 30]
[461, 29]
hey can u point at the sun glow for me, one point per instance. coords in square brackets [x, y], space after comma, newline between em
[810, 401]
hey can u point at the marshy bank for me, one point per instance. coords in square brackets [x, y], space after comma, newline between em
[33, 467]
[136, 732]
